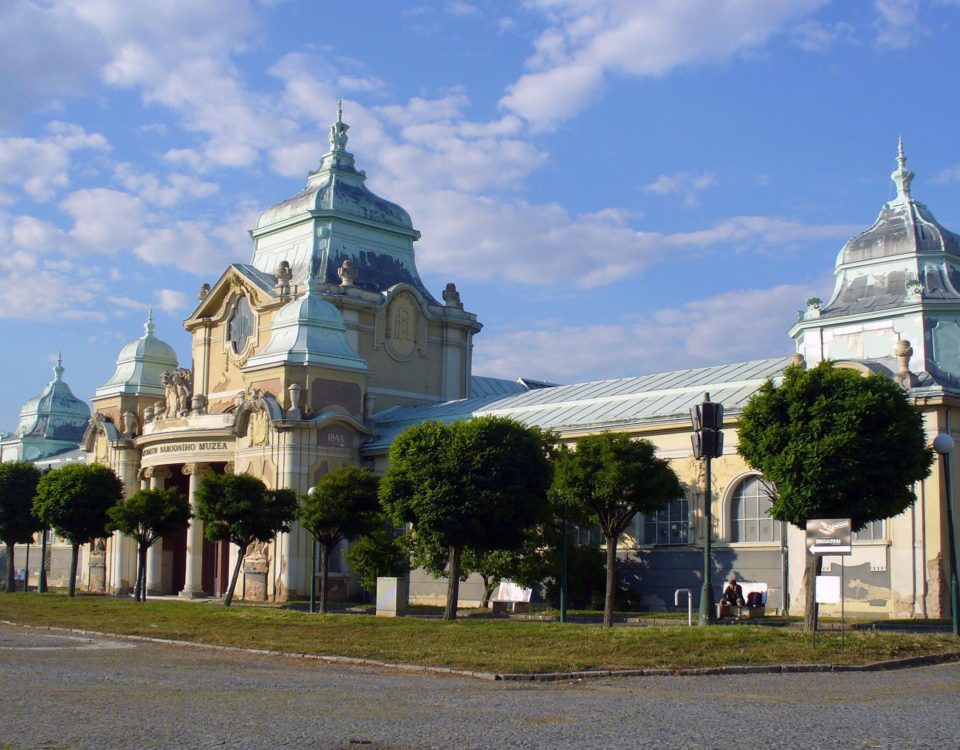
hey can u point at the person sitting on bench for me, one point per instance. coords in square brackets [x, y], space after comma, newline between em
[732, 596]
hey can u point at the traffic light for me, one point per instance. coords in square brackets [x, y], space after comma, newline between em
[707, 437]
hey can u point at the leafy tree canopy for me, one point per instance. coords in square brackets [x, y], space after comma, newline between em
[75, 498]
[478, 483]
[342, 505]
[378, 553]
[149, 515]
[835, 444]
[615, 477]
[18, 485]
[240, 509]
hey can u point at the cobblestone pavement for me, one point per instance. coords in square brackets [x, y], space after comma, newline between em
[77, 692]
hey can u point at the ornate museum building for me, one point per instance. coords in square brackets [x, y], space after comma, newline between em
[327, 345]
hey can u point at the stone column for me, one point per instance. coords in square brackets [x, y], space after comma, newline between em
[124, 557]
[193, 581]
[156, 476]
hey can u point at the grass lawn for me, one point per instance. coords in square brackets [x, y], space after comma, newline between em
[482, 645]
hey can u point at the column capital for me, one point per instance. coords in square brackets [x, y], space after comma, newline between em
[155, 472]
[198, 469]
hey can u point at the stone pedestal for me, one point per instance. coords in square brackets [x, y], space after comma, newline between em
[255, 578]
[98, 572]
[391, 597]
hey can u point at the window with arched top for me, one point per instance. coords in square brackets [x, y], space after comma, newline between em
[240, 326]
[749, 513]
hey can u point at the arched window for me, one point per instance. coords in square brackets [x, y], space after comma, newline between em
[749, 521]
[240, 327]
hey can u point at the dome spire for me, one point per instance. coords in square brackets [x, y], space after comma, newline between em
[902, 177]
[338, 131]
[58, 370]
[148, 327]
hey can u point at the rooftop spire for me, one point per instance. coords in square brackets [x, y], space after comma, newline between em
[148, 326]
[58, 370]
[338, 131]
[902, 177]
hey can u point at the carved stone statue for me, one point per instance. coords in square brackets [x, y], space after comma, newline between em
[130, 424]
[451, 297]
[199, 403]
[204, 291]
[259, 429]
[283, 274]
[347, 273]
[170, 395]
[183, 379]
[177, 387]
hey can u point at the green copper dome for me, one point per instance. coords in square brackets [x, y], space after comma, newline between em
[140, 364]
[56, 414]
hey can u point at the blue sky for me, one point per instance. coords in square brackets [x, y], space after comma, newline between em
[617, 187]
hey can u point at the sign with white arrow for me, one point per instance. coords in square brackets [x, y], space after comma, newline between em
[829, 536]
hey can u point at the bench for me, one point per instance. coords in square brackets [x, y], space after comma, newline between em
[510, 598]
[755, 607]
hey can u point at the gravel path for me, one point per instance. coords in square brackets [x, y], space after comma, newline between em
[77, 692]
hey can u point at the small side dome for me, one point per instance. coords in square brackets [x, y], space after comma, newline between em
[905, 226]
[56, 414]
[308, 330]
[140, 364]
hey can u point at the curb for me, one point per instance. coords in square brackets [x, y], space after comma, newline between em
[907, 662]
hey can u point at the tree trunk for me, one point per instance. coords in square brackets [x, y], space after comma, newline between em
[324, 575]
[11, 581]
[453, 584]
[611, 581]
[74, 557]
[140, 592]
[487, 591]
[233, 579]
[813, 569]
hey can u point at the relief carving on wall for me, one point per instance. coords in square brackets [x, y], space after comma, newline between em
[259, 428]
[402, 323]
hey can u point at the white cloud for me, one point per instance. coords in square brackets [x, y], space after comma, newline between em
[545, 244]
[105, 221]
[816, 36]
[174, 188]
[170, 300]
[950, 174]
[33, 291]
[731, 327]
[41, 167]
[588, 40]
[686, 184]
[896, 23]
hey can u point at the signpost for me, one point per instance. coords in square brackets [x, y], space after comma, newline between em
[831, 536]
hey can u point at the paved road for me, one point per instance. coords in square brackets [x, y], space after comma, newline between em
[74, 692]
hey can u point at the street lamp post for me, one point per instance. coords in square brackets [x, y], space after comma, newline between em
[563, 566]
[943, 444]
[313, 569]
[707, 440]
[42, 576]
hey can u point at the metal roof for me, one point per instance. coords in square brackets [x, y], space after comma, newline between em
[604, 404]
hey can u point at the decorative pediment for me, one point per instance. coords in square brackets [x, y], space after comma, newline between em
[237, 281]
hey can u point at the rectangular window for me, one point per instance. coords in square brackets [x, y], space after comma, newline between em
[670, 525]
[875, 531]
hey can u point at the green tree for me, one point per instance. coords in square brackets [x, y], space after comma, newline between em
[18, 485]
[480, 483]
[147, 516]
[614, 478]
[239, 509]
[378, 553]
[834, 444]
[74, 500]
[342, 505]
